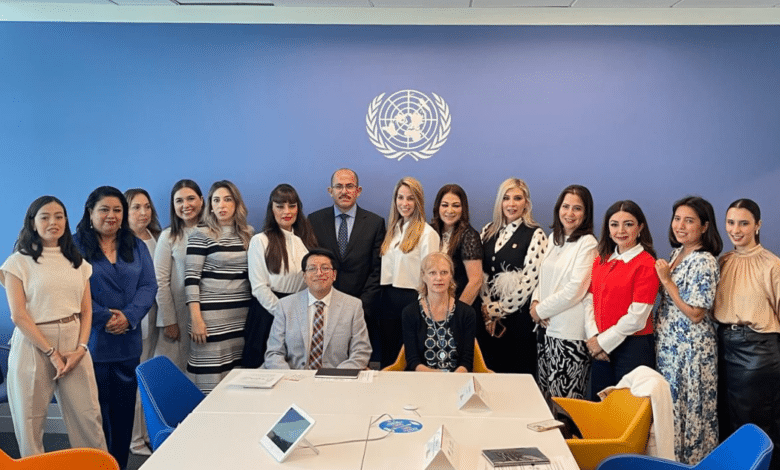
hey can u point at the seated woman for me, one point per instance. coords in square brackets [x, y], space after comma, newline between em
[438, 330]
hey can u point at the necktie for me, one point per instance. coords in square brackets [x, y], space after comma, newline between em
[315, 351]
[343, 236]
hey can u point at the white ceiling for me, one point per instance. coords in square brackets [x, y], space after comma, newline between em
[573, 4]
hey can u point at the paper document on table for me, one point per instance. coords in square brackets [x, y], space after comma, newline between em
[365, 376]
[558, 462]
[256, 379]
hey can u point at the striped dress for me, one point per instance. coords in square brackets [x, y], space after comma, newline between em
[216, 276]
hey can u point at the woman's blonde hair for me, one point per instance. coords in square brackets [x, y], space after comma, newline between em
[427, 262]
[498, 214]
[417, 224]
[239, 217]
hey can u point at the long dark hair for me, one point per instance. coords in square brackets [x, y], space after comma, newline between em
[461, 225]
[607, 245]
[276, 252]
[177, 225]
[710, 240]
[154, 222]
[751, 206]
[125, 238]
[586, 227]
[29, 242]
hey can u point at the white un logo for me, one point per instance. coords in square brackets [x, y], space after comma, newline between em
[408, 123]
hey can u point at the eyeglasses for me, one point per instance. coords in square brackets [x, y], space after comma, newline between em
[348, 187]
[314, 269]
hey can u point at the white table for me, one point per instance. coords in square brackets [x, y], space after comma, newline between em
[224, 430]
[434, 393]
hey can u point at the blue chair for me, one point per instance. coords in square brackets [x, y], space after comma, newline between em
[3, 372]
[749, 448]
[167, 397]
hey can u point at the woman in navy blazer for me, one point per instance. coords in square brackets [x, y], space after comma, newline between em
[123, 289]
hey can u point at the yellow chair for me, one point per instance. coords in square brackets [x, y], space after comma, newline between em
[479, 365]
[618, 425]
[70, 459]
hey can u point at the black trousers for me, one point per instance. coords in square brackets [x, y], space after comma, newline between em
[633, 352]
[749, 382]
[394, 300]
[117, 386]
[257, 329]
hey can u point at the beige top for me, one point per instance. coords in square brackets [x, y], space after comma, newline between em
[749, 290]
[53, 288]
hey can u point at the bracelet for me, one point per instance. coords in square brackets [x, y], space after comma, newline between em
[84, 345]
[50, 352]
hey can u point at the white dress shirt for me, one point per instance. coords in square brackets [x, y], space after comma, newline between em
[265, 283]
[401, 269]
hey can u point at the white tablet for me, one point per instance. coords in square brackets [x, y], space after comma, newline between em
[287, 432]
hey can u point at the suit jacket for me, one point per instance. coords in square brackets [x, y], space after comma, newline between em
[346, 343]
[360, 267]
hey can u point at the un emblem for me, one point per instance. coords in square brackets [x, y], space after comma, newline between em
[408, 123]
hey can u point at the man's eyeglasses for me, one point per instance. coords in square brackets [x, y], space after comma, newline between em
[342, 187]
[314, 269]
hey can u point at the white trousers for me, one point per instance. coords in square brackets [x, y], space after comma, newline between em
[31, 385]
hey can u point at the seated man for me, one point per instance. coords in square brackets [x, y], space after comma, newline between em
[318, 327]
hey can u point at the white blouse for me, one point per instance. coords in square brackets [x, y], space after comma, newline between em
[563, 285]
[265, 283]
[401, 269]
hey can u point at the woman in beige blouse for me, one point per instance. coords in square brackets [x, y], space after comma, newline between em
[747, 306]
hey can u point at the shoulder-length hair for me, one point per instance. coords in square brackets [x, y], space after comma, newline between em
[461, 225]
[240, 224]
[751, 206]
[426, 264]
[416, 225]
[177, 225]
[498, 214]
[586, 227]
[125, 238]
[607, 245]
[710, 239]
[29, 242]
[154, 221]
[276, 257]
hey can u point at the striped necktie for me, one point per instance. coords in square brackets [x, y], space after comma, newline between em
[317, 332]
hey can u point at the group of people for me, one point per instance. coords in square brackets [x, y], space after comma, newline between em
[332, 289]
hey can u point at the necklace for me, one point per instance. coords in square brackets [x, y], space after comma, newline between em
[438, 338]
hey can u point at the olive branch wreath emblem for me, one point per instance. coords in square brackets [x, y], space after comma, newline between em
[433, 146]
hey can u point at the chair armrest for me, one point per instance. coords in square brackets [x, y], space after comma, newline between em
[640, 462]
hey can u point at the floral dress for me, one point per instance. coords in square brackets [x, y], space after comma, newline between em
[687, 357]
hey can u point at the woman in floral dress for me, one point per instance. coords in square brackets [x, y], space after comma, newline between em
[686, 342]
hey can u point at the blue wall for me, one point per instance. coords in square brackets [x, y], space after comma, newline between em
[647, 113]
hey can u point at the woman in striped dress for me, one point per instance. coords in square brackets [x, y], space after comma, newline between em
[217, 286]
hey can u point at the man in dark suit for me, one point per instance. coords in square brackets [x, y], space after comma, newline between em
[359, 263]
[320, 326]
[356, 245]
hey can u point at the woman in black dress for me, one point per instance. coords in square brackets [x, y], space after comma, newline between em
[459, 240]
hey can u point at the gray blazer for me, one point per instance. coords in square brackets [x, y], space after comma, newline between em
[346, 343]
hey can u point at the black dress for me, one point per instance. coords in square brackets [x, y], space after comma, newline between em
[515, 351]
[470, 248]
